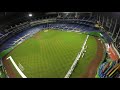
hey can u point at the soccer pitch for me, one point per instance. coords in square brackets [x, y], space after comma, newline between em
[50, 54]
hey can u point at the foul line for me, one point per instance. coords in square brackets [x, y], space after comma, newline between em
[19, 71]
[76, 60]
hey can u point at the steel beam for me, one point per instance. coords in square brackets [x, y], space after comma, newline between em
[117, 35]
[114, 28]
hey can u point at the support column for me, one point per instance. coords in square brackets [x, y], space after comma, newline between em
[117, 35]
[114, 28]
[107, 22]
[99, 18]
[110, 24]
[76, 15]
[103, 21]
[91, 14]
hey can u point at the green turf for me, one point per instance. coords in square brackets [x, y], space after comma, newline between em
[2, 73]
[51, 54]
[3, 53]
[84, 62]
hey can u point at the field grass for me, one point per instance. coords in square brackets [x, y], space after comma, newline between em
[50, 54]
[84, 62]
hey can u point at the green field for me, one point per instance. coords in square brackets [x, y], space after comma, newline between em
[51, 54]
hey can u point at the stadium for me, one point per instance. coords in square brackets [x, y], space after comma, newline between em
[59, 45]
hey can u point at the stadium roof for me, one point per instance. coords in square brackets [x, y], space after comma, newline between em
[6, 17]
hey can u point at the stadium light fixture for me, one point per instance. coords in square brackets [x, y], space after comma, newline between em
[30, 15]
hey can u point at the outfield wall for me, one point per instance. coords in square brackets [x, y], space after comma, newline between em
[104, 40]
[97, 34]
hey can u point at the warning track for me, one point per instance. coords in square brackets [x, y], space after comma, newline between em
[92, 68]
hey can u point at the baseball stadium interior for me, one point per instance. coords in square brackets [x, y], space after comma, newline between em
[59, 44]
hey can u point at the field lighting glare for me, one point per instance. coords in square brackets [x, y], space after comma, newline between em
[30, 15]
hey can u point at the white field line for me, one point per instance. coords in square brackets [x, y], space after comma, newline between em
[19, 71]
[76, 60]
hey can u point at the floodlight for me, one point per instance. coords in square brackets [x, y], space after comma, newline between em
[30, 15]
